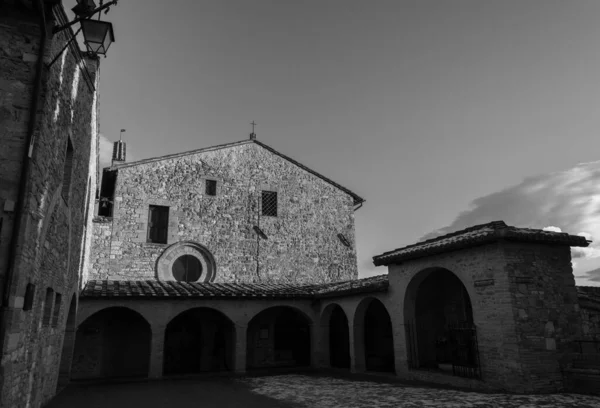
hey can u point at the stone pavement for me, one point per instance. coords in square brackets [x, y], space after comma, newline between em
[329, 392]
[297, 391]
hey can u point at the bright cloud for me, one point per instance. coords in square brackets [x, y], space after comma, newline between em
[105, 151]
[564, 201]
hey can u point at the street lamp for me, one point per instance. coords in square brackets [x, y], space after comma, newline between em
[97, 35]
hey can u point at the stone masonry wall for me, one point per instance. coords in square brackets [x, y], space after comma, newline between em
[49, 243]
[302, 244]
[545, 308]
[590, 319]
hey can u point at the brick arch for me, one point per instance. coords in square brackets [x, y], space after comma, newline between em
[179, 312]
[342, 340]
[86, 310]
[304, 312]
[424, 328]
[199, 339]
[360, 325]
[112, 342]
[410, 295]
[279, 336]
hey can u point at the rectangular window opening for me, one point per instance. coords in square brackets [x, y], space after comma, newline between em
[158, 224]
[211, 187]
[269, 203]
[56, 313]
[29, 296]
[67, 171]
[48, 307]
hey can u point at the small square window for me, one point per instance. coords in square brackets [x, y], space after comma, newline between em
[211, 187]
[269, 203]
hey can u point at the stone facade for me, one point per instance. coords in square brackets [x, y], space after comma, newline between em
[524, 307]
[302, 244]
[46, 261]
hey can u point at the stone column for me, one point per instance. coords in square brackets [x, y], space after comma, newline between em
[357, 347]
[315, 346]
[239, 360]
[323, 358]
[157, 352]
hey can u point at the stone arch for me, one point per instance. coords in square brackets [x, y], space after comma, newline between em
[199, 339]
[112, 342]
[373, 336]
[436, 301]
[278, 336]
[335, 336]
[66, 355]
[199, 254]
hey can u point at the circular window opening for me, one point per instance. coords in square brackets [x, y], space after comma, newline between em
[187, 268]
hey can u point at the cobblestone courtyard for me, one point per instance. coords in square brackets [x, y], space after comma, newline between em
[296, 391]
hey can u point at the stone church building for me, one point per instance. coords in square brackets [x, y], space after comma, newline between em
[239, 259]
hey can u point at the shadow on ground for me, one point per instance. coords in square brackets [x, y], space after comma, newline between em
[181, 393]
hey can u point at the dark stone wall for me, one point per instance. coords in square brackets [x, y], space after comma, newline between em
[302, 244]
[50, 238]
[545, 309]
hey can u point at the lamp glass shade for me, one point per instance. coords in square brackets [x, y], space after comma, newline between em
[98, 35]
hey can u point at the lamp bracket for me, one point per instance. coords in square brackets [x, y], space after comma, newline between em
[88, 16]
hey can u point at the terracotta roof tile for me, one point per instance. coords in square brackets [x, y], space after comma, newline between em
[162, 289]
[476, 235]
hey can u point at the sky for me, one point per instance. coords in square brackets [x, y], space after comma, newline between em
[441, 114]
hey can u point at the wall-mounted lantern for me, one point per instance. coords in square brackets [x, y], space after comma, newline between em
[97, 35]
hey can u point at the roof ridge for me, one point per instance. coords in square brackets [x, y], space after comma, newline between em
[496, 225]
[356, 197]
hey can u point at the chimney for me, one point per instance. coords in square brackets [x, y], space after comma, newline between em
[252, 136]
[118, 156]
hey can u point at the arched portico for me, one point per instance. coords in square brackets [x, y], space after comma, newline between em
[199, 340]
[279, 336]
[335, 337]
[113, 342]
[438, 317]
[373, 337]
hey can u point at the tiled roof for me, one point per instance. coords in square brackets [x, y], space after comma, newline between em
[356, 197]
[163, 289]
[476, 235]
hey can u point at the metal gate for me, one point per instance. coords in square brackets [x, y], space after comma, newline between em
[465, 350]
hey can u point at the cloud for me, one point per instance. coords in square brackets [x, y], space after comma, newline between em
[105, 151]
[553, 229]
[566, 201]
[592, 276]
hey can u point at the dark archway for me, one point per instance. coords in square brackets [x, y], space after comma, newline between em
[378, 338]
[114, 342]
[199, 340]
[339, 339]
[278, 337]
[66, 354]
[439, 319]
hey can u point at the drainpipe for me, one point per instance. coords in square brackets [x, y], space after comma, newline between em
[25, 169]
